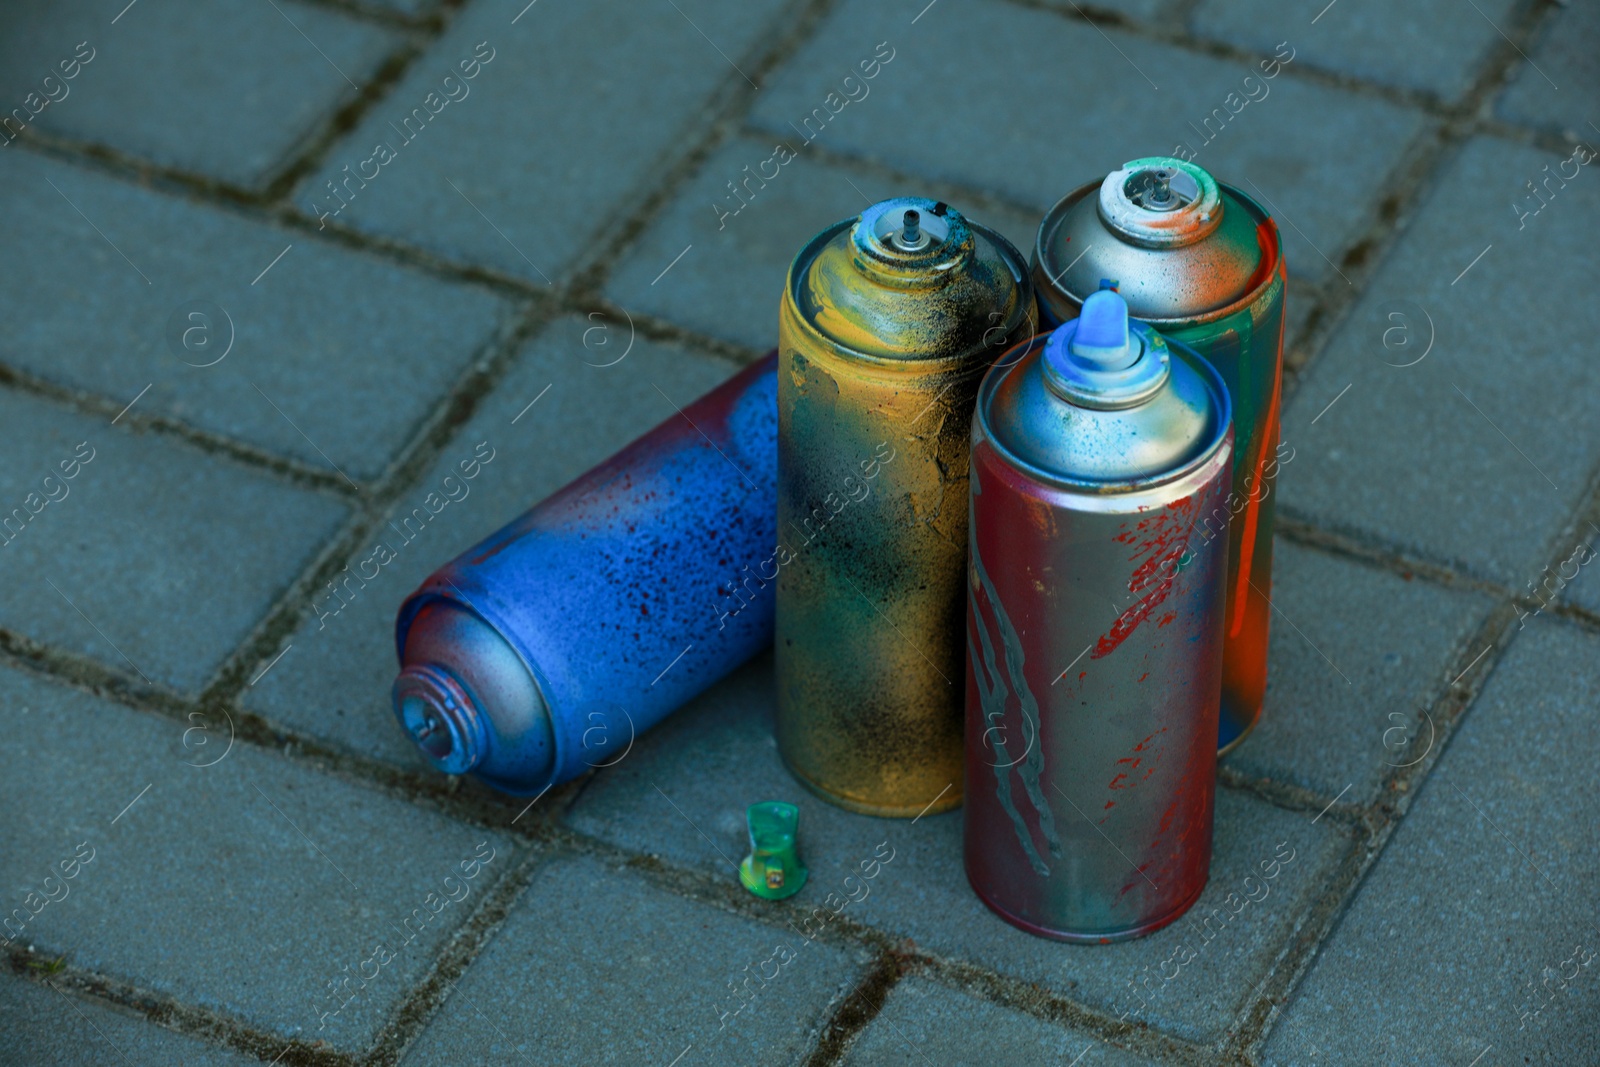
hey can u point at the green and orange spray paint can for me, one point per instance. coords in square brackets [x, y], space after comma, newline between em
[1200, 262]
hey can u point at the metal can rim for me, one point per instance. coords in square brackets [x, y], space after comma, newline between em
[1013, 359]
[1270, 276]
[1026, 308]
[428, 593]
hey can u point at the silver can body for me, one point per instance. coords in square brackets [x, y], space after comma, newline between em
[1095, 630]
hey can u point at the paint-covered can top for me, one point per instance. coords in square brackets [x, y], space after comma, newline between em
[1186, 246]
[909, 279]
[1104, 404]
[469, 702]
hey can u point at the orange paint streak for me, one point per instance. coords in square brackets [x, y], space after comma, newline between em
[1247, 547]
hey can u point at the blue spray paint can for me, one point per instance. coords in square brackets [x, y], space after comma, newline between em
[545, 649]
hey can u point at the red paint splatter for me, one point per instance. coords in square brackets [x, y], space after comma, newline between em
[1158, 541]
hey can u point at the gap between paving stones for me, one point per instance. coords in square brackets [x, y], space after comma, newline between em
[581, 294]
[407, 1021]
[844, 931]
[856, 1009]
[1435, 145]
[293, 471]
[484, 371]
[428, 996]
[725, 113]
[1473, 665]
[315, 144]
[1176, 34]
[170, 1014]
[427, 20]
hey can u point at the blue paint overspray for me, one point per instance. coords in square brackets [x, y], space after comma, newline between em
[545, 649]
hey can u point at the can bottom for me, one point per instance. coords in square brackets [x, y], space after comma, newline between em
[946, 801]
[1232, 730]
[1099, 937]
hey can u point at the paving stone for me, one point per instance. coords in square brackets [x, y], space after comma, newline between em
[334, 683]
[59, 1029]
[247, 886]
[337, 356]
[1478, 453]
[569, 120]
[1556, 88]
[1432, 45]
[596, 966]
[923, 1022]
[1297, 304]
[1487, 890]
[1095, 111]
[718, 755]
[228, 89]
[153, 557]
[1582, 589]
[730, 279]
[1356, 656]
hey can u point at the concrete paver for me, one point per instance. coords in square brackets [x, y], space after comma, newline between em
[228, 89]
[518, 141]
[595, 967]
[141, 551]
[716, 757]
[1060, 102]
[46, 1027]
[330, 356]
[736, 253]
[239, 883]
[1356, 657]
[334, 684]
[1556, 89]
[1475, 928]
[564, 123]
[922, 1022]
[1369, 39]
[1477, 450]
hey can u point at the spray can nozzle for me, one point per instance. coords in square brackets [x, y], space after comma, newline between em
[1101, 360]
[1103, 341]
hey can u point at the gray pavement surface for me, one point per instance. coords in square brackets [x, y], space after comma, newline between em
[277, 266]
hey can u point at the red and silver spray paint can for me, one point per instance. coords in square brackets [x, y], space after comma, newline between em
[1095, 625]
[1201, 262]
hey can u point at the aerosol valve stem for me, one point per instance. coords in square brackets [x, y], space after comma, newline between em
[911, 232]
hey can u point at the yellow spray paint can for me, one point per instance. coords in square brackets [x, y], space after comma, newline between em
[888, 322]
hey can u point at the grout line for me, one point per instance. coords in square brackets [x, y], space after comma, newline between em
[1363, 547]
[382, 16]
[1172, 32]
[719, 120]
[1431, 150]
[454, 408]
[168, 1013]
[426, 998]
[313, 148]
[862, 1003]
[95, 406]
